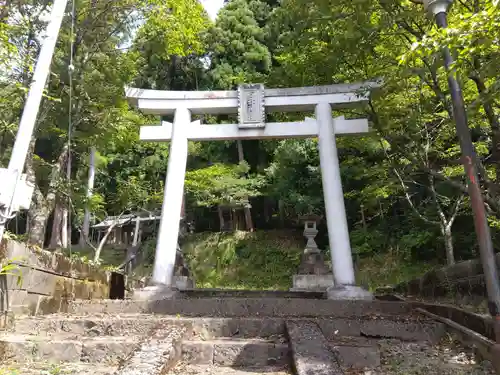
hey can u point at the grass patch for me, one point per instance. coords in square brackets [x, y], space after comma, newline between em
[268, 260]
[386, 269]
[242, 260]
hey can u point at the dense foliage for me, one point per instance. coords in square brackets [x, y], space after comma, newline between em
[403, 184]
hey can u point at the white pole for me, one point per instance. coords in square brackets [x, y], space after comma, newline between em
[32, 105]
[90, 187]
[336, 220]
[168, 234]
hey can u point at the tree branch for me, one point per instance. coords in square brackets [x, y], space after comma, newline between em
[407, 195]
[105, 238]
[439, 209]
[454, 211]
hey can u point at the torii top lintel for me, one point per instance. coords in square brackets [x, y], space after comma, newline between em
[162, 102]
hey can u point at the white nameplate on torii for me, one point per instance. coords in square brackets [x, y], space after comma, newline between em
[276, 130]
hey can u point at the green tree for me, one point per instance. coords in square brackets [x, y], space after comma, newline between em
[323, 43]
[169, 46]
[238, 54]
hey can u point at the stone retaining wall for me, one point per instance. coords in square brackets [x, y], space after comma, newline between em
[45, 282]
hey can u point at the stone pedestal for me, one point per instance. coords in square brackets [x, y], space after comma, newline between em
[182, 276]
[312, 282]
[154, 293]
[348, 292]
[313, 263]
[313, 273]
[182, 282]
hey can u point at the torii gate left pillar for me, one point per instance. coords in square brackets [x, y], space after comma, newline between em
[249, 102]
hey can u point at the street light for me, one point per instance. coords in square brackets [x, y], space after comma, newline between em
[438, 9]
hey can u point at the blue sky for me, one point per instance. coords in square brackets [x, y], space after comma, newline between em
[212, 7]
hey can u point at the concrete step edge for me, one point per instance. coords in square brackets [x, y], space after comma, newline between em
[234, 341]
[229, 370]
[70, 338]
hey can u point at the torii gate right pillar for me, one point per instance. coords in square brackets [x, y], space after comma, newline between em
[336, 218]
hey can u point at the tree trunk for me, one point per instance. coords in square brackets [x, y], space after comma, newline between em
[267, 210]
[65, 236]
[448, 244]
[241, 220]
[221, 218]
[84, 234]
[363, 220]
[37, 222]
[65, 225]
[281, 208]
[97, 254]
[246, 207]
[55, 236]
[248, 218]
[41, 206]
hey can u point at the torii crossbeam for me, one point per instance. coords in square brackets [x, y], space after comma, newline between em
[251, 102]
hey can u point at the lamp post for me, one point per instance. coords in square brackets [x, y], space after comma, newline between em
[438, 9]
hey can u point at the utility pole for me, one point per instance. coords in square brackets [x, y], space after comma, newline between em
[438, 9]
[15, 192]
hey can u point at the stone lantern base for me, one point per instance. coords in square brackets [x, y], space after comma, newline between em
[182, 282]
[182, 278]
[154, 293]
[313, 275]
[313, 283]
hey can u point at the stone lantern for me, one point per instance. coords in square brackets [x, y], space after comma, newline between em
[313, 273]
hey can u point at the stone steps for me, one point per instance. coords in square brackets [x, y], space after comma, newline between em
[356, 352]
[208, 328]
[245, 307]
[232, 336]
[401, 328]
[236, 352]
[66, 348]
[233, 293]
[104, 325]
[310, 350]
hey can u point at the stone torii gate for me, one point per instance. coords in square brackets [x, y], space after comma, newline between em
[251, 102]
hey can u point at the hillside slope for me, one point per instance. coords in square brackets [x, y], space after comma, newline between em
[269, 259]
[244, 260]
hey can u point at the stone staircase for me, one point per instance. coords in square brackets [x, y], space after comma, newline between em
[73, 344]
[229, 336]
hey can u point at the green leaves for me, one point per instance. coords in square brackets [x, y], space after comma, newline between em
[222, 184]
[173, 27]
[294, 176]
[237, 41]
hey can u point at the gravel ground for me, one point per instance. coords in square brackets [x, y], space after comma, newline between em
[448, 357]
[41, 368]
